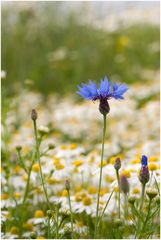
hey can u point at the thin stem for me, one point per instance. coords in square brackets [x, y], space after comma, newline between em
[105, 207]
[125, 207]
[118, 181]
[142, 196]
[100, 178]
[48, 228]
[38, 157]
[144, 225]
[28, 182]
[71, 213]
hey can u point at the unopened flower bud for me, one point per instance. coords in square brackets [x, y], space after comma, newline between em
[117, 164]
[151, 192]
[51, 146]
[144, 175]
[33, 235]
[43, 130]
[132, 199]
[18, 148]
[67, 185]
[50, 213]
[33, 115]
[104, 106]
[117, 222]
[124, 184]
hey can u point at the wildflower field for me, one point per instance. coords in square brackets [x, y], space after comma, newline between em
[80, 157]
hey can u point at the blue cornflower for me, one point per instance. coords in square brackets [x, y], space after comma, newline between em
[144, 161]
[105, 91]
[144, 171]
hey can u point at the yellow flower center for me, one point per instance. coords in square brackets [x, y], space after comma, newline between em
[17, 169]
[109, 179]
[126, 173]
[36, 167]
[17, 195]
[63, 147]
[64, 193]
[78, 163]
[73, 146]
[39, 214]
[59, 166]
[116, 189]
[152, 166]
[92, 190]
[153, 159]
[87, 201]
[104, 163]
[103, 191]
[135, 161]
[4, 196]
[136, 190]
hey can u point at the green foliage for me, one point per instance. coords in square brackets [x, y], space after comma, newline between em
[58, 52]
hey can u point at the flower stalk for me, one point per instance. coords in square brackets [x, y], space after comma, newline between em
[67, 185]
[100, 178]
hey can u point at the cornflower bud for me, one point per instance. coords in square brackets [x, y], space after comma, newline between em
[117, 164]
[144, 172]
[124, 184]
[33, 115]
[104, 107]
[67, 185]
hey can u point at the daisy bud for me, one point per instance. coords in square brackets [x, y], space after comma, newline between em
[49, 213]
[144, 175]
[124, 184]
[33, 115]
[33, 235]
[67, 185]
[43, 130]
[104, 106]
[51, 146]
[18, 148]
[132, 200]
[152, 193]
[117, 222]
[117, 164]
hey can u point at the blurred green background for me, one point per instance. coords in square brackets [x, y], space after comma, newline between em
[57, 51]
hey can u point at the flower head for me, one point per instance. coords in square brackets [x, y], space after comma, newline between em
[144, 172]
[105, 90]
[144, 160]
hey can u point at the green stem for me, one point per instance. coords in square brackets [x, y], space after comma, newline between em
[38, 157]
[100, 178]
[28, 182]
[118, 181]
[144, 225]
[142, 196]
[105, 207]
[48, 228]
[125, 207]
[71, 213]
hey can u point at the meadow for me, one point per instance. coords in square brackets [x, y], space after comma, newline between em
[52, 145]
